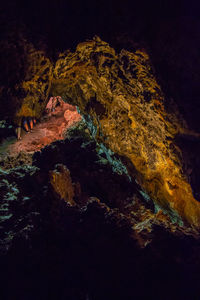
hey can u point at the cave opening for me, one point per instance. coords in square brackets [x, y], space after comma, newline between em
[34, 134]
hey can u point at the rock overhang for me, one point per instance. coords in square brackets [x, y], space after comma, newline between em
[126, 105]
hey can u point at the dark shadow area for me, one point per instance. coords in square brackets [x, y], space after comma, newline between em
[88, 251]
[190, 147]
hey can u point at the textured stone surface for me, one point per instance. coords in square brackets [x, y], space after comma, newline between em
[62, 184]
[125, 109]
[50, 248]
[50, 128]
[19, 216]
[26, 81]
[126, 103]
[112, 244]
[35, 85]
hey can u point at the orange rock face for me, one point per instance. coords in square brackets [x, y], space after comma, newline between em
[127, 107]
[51, 128]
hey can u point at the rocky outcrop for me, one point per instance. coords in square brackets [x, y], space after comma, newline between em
[81, 219]
[126, 105]
[109, 233]
[26, 80]
[12, 161]
[62, 184]
[35, 85]
[19, 216]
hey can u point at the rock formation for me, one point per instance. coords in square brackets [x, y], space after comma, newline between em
[25, 92]
[73, 224]
[101, 198]
[61, 183]
[124, 107]
[127, 106]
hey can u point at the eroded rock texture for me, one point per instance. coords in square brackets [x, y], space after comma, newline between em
[124, 106]
[26, 80]
[106, 243]
[35, 85]
[121, 94]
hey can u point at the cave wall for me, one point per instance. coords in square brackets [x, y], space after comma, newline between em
[26, 79]
[36, 85]
[121, 94]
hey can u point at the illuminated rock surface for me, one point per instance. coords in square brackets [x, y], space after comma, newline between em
[50, 128]
[107, 239]
[80, 219]
[124, 107]
[121, 94]
[62, 184]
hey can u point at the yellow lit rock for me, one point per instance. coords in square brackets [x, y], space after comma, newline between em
[35, 86]
[122, 96]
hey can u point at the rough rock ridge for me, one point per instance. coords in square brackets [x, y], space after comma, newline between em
[127, 106]
[124, 106]
[106, 243]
